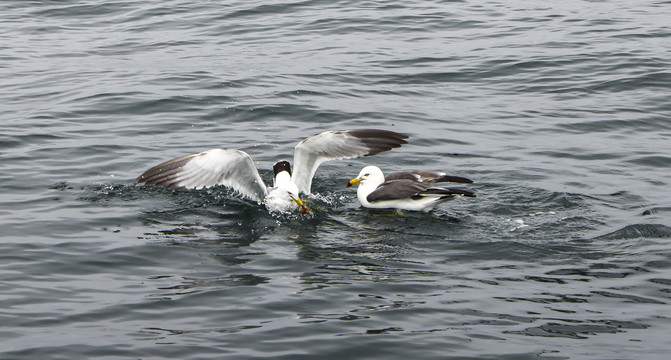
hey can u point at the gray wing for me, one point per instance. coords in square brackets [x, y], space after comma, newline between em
[397, 189]
[228, 167]
[445, 192]
[332, 145]
[404, 188]
[427, 176]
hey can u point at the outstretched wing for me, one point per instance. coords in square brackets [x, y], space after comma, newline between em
[228, 167]
[332, 145]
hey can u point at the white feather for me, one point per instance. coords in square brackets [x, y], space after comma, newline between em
[235, 168]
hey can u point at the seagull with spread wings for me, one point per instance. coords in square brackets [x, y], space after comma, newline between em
[235, 168]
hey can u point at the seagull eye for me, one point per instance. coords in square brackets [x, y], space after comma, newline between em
[366, 175]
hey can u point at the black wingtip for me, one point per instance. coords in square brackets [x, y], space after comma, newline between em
[460, 192]
[367, 133]
[454, 179]
[164, 173]
[379, 140]
[448, 192]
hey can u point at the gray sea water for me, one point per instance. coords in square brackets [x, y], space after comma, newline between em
[560, 112]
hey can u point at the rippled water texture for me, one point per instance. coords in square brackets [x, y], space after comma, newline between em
[559, 111]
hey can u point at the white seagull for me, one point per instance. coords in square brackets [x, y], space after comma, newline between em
[405, 190]
[235, 168]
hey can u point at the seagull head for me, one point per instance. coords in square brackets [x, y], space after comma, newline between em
[282, 171]
[369, 174]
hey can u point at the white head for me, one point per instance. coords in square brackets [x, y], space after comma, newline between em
[370, 175]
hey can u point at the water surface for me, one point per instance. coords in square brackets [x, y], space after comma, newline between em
[559, 112]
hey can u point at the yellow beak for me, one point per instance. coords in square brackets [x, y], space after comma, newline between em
[353, 182]
[297, 200]
[302, 208]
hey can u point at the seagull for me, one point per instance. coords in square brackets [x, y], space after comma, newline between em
[235, 168]
[405, 190]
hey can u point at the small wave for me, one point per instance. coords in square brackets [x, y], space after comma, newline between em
[656, 161]
[638, 231]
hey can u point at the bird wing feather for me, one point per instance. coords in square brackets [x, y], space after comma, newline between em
[333, 145]
[427, 176]
[228, 167]
[397, 189]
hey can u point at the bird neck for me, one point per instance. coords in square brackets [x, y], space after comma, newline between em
[365, 188]
[282, 179]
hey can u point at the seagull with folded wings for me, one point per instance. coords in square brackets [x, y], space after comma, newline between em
[405, 190]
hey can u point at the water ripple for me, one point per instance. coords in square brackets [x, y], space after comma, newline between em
[558, 111]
